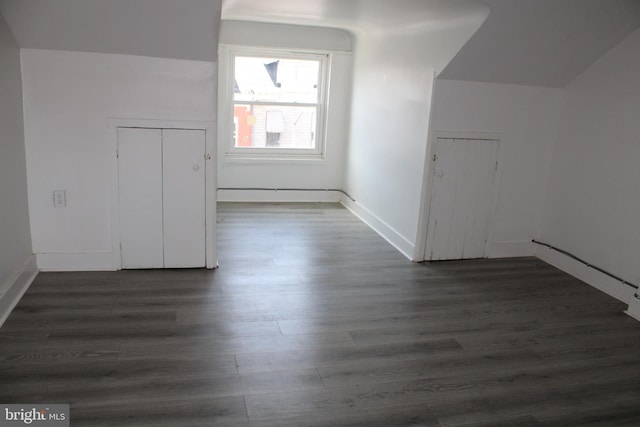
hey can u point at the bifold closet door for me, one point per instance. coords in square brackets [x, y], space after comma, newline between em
[183, 189]
[140, 197]
[161, 184]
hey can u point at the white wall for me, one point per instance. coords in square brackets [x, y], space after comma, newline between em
[15, 238]
[593, 202]
[69, 98]
[311, 174]
[526, 119]
[394, 70]
[390, 121]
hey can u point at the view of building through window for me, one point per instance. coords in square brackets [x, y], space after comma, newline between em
[276, 102]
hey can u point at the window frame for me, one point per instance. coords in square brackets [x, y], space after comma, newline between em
[228, 54]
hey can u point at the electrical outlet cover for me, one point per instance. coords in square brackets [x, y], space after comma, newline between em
[59, 198]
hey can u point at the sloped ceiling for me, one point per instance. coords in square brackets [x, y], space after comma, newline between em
[530, 42]
[542, 42]
[426, 32]
[180, 29]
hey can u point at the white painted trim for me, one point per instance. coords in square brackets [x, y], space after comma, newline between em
[14, 288]
[274, 159]
[422, 239]
[77, 261]
[387, 232]
[634, 308]
[426, 186]
[265, 196]
[511, 249]
[226, 64]
[501, 138]
[210, 180]
[588, 275]
[465, 134]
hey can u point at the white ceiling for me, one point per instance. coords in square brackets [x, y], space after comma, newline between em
[531, 42]
[358, 16]
[181, 29]
[427, 33]
[543, 42]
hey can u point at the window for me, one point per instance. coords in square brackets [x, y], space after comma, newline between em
[278, 101]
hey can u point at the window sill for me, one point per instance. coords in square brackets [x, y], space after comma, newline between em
[276, 158]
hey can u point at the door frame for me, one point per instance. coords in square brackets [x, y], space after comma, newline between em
[210, 180]
[422, 243]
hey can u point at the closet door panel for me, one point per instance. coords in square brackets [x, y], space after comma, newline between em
[183, 182]
[140, 197]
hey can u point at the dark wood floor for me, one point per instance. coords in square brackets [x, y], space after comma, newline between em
[313, 320]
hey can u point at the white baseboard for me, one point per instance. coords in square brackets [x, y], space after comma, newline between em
[588, 275]
[634, 308]
[387, 232]
[83, 261]
[511, 249]
[265, 196]
[16, 286]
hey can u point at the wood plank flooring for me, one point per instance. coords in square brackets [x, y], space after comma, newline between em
[313, 320]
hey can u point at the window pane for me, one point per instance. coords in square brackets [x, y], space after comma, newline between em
[274, 126]
[276, 80]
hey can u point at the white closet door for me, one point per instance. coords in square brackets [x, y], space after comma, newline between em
[140, 191]
[183, 178]
[462, 198]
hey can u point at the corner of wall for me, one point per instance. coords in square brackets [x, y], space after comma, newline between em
[588, 275]
[398, 241]
[634, 307]
[12, 290]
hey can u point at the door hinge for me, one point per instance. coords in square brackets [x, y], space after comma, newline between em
[434, 157]
[207, 156]
[496, 166]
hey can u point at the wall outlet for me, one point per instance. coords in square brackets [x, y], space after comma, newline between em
[59, 198]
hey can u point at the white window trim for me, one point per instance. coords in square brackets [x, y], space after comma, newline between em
[227, 54]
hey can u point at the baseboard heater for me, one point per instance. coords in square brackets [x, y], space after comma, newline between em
[326, 190]
[588, 264]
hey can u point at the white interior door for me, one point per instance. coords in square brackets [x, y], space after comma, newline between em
[161, 185]
[183, 177]
[140, 197]
[462, 198]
